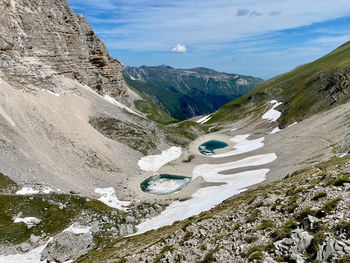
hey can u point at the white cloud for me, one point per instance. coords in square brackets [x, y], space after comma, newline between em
[179, 49]
[155, 27]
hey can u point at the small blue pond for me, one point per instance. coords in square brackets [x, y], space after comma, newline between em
[164, 184]
[208, 147]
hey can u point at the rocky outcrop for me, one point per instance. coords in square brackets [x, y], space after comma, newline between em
[67, 246]
[43, 38]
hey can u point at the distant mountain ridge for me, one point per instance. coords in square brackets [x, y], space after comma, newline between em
[185, 93]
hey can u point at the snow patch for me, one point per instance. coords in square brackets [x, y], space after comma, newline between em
[30, 257]
[203, 200]
[153, 163]
[8, 118]
[292, 124]
[120, 105]
[162, 186]
[344, 154]
[132, 78]
[109, 197]
[272, 114]
[78, 229]
[275, 130]
[204, 119]
[242, 145]
[27, 191]
[47, 190]
[29, 221]
[53, 93]
[208, 197]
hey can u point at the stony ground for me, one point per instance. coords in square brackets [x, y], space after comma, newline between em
[303, 218]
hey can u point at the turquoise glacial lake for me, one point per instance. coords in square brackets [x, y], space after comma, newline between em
[209, 147]
[164, 184]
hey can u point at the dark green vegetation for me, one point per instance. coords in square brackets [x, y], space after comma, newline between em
[56, 212]
[263, 208]
[153, 111]
[131, 134]
[7, 185]
[304, 91]
[185, 93]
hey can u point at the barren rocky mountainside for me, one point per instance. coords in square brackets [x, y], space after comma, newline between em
[93, 171]
[185, 93]
[43, 39]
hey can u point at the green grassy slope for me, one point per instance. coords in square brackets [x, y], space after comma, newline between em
[306, 90]
[152, 110]
[46, 207]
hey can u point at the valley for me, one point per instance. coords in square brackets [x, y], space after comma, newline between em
[157, 164]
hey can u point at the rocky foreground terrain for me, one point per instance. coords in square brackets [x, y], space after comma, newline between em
[303, 218]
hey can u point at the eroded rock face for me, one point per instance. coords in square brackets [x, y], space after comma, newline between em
[67, 246]
[42, 38]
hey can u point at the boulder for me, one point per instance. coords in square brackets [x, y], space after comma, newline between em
[67, 246]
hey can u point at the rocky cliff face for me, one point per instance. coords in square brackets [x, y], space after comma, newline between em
[43, 38]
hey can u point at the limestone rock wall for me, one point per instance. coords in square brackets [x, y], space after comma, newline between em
[42, 38]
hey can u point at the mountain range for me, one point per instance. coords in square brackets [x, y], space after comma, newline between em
[185, 93]
[94, 169]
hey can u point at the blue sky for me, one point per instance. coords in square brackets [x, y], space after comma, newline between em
[252, 37]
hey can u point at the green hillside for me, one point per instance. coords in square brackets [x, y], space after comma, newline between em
[304, 91]
[185, 93]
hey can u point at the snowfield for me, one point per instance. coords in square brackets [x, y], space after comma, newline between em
[166, 186]
[242, 146]
[30, 257]
[29, 221]
[203, 200]
[78, 229]
[204, 119]
[208, 197]
[272, 114]
[27, 191]
[275, 130]
[120, 105]
[153, 163]
[109, 197]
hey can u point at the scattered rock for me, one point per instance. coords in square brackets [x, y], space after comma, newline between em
[34, 239]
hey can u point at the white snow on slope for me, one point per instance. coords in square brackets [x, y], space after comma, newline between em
[78, 229]
[208, 197]
[153, 163]
[242, 145]
[120, 105]
[27, 220]
[204, 119]
[30, 257]
[27, 191]
[53, 93]
[292, 124]
[109, 197]
[203, 200]
[166, 186]
[8, 118]
[272, 114]
[275, 130]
